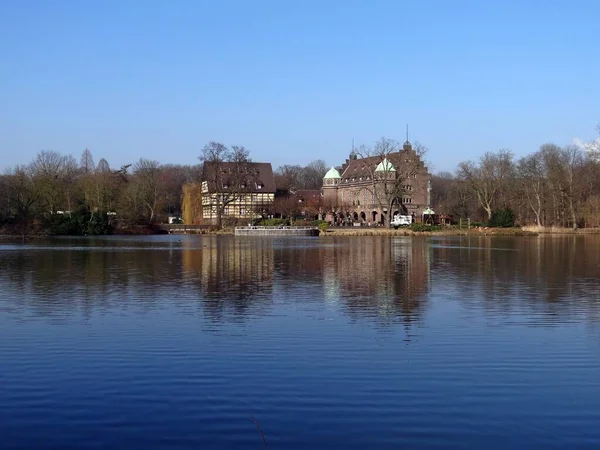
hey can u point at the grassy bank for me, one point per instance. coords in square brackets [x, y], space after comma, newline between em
[443, 232]
[561, 230]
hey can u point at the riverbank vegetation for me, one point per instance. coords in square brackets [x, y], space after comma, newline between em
[56, 194]
[427, 231]
[555, 187]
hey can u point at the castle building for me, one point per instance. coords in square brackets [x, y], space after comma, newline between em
[374, 189]
[229, 191]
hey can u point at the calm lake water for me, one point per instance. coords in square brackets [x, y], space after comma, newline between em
[176, 342]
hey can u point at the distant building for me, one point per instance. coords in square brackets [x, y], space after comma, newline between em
[236, 190]
[358, 191]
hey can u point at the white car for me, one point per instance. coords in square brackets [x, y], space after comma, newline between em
[401, 221]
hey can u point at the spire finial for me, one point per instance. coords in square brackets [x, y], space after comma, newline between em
[406, 132]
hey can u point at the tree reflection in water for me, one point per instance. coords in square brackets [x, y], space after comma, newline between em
[381, 280]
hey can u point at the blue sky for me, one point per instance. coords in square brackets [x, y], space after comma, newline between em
[295, 81]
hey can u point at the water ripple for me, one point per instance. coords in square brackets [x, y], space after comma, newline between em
[175, 341]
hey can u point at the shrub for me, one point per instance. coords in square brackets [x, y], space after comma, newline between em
[321, 224]
[79, 224]
[98, 224]
[420, 227]
[272, 222]
[66, 225]
[502, 218]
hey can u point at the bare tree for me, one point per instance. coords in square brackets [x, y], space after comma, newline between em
[147, 185]
[289, 177]
[287, 206]
[533, 182]
[312, 175]
[295, 177]
[106, 186]
[172, 179]
[69, 179]
[573, 160]
[50, 170]
[315, 206]
[488, 178]
[227, 174]
[22, 197]
[87, 161]
[4, 198]
[551, 157]
[451, 195]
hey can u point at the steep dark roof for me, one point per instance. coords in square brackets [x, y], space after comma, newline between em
[360, 167]
[305, 195]
[253, 177]
[364, 167]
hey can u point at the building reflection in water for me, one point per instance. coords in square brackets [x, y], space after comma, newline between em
[384, 278]
[233, 275]
[370, 277]
[546, 280]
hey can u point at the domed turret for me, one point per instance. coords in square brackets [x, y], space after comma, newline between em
[332, 174]
[332, 177]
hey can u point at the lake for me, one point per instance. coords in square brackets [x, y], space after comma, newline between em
[181, 342]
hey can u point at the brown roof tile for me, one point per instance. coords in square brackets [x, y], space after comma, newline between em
[230, 177]
[306, 195]
[364, 167]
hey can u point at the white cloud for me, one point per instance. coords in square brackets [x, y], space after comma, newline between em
[591, 146]
[579, 143]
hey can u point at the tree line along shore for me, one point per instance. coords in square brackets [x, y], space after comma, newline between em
[552, 190]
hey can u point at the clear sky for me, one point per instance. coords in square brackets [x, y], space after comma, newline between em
[295, 81]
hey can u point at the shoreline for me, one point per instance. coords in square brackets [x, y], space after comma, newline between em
[524, 231]
[449, 233]
[358, 232]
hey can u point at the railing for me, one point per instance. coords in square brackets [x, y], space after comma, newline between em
[282, 230]
[181, 227]
[275, 227]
